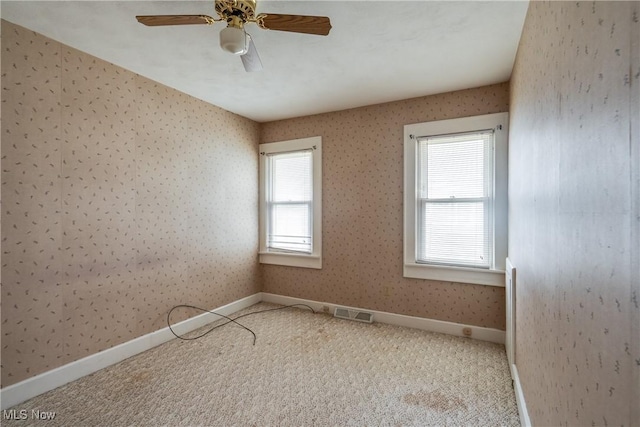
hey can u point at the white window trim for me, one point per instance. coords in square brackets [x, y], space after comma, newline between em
[314, 259]
[495, 275]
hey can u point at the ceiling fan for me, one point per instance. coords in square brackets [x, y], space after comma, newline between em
[236, 13]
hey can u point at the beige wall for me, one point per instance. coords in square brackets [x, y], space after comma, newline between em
[573, 208]
[121, 198]
[362, 212]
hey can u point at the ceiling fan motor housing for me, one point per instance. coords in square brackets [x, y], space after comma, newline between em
[243, 9]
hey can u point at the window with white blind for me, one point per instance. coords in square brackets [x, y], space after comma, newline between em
[455, 182]
[455, 199]
[291, 203]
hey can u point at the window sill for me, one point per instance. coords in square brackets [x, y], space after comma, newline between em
[454, 274]
[291, 260]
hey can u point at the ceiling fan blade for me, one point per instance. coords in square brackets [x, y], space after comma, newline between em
[251, 59]
[319, 25]
[156, 20]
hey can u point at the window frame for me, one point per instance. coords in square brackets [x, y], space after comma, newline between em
[494, 276]
[292, 259]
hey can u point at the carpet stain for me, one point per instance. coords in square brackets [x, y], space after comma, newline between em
[311, 340]
[435, 400]
[140, 377]
[324, 335]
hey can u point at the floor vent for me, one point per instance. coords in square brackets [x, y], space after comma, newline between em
[359, 316]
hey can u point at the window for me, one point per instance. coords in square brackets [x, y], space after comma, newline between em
[455, 183]
[455, 200]
[291, 203]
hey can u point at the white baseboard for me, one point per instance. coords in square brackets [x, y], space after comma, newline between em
[525, 421]
[450, 328]
[31, 387]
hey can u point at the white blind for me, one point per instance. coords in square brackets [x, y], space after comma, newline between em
[455, 199]
[290, 201]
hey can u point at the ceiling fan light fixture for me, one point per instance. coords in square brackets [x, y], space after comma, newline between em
[234, 40]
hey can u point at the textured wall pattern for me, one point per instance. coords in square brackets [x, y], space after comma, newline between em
[121, 198]
[573, 196]
[362, 212]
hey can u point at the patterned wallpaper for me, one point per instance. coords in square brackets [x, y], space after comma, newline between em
[362, 218]
[121, 198]
[574, 207]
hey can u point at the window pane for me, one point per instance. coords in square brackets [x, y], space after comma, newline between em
[289, 201]
[290, 227]
[454, 233]
[453, 166]
[291, 177]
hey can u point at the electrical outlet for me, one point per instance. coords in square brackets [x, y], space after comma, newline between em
[466, 332]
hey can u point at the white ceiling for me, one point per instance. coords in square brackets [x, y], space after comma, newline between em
[377, 51]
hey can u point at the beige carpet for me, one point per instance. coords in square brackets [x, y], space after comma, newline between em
[305, 369]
